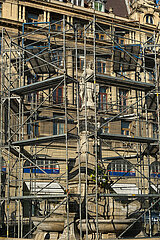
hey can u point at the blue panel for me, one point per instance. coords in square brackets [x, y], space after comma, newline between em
[155, 175]
[26, 170]
[37, 170]
[49, 170]
[4, 169]
[116, 173]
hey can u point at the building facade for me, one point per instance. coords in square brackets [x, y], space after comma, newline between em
[79, 119]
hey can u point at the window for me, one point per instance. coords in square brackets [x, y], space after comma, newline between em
[98, 6]
[120, 39]
[121, 71]
[56, 23]
[57, 58]
[155, 130]
[155, 169]
[133, 37]
[36, 129]
[32, 17]
[0, 43]
[54, 166]
[21, 8]
[33, 127]
[105, 128]
[100, 36]
[78, 2]
[33, 96]
[103, 98]
[3, 165]
[123, 94]
[80, 62]
[58, 124]
[58, 95]
[26, 167]
[101, 66]
[149, 19]
[121, 168]
[48, 165]
[0, 9]
[125, 130]
[57, 26]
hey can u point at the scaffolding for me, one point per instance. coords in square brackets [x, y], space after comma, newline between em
[80, 130]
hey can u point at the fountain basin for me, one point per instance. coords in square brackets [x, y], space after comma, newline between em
[106, 225]
[51, 224]
[56, 223]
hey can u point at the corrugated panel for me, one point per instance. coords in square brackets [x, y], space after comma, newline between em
[125, 188]
[45, 188]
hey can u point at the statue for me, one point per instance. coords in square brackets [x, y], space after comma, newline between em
[89, 85]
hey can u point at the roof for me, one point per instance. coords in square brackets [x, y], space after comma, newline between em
[119, 9]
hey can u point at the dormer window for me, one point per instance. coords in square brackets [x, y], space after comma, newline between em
[149, 18]
[99, 6]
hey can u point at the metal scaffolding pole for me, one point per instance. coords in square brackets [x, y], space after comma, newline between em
[96, 127]
[86, 131]
[66, 120]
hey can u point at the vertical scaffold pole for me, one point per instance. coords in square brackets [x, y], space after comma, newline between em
[8, 133]
[157, 96]
[66, 119]
[78, 125]
[86, 132]
[1, 126]
[96, 140]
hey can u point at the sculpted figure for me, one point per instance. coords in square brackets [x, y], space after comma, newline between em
[90, 87]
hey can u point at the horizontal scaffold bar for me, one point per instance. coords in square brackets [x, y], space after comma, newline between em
[127, 138]
[123, 82]
[40, 140]
[39, 86]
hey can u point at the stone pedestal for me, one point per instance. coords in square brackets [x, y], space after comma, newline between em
[73, 233]
[108, 236]
[54, 236]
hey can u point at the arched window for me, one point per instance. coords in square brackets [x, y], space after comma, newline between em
[49, 166]
[149, 18]
[155, 169]
[121, 168]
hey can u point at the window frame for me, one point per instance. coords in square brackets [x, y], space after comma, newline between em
[100, 66]
[80, 62]
[125, 130]
[121, 168]
[58, 125]
[149, 19]
[98, 6]
[103, 95]
[58, 98]
[155, 169]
